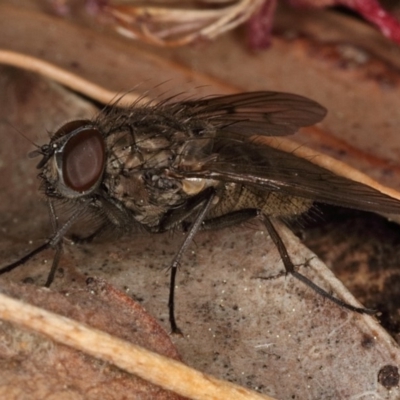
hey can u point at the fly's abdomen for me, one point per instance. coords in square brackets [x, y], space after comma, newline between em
[234, 197]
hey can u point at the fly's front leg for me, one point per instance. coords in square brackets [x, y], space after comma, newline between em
[194, 228]
[54, 242]
[57, 245]
[290, 269]
[44, 246]
[23, 260]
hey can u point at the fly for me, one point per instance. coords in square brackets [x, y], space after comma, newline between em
[192, 165]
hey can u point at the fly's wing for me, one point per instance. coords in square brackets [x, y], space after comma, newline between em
[237, 158]
[251, 163]
[255, 113]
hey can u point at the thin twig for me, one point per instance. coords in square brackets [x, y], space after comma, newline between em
[68, 79]
[159, 370]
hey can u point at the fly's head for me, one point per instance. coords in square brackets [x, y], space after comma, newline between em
[73, 162]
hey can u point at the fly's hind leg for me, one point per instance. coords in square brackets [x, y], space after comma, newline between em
[246, 214]
[290, 269]
[202, 204]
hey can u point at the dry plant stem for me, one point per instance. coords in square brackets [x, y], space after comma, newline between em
[159, 370]
[191, 23]
[67, 79]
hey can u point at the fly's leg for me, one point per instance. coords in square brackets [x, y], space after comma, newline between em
[54, 265]
[289, 267]
[87, 239]
[24, 259]
[179, 216]
[57, 245]
[231, 219]
[246, 214]
[195, 227]
[44, 246]
[54, 242]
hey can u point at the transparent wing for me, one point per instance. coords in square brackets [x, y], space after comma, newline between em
[256, 113]
[250, 163]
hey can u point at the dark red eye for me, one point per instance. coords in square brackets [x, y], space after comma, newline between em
[70, 127]
[83, 158]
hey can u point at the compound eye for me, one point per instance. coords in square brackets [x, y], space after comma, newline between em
[83, 159]
[70, 127]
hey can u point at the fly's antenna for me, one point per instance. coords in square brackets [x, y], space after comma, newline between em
[22, 134]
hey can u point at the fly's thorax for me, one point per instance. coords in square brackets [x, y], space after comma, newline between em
[137, 175]
[194, 153]
[143, 164]
[147, 196]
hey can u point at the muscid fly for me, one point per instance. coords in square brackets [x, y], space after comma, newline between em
[192, 165]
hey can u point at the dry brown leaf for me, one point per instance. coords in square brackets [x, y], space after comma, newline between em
[34, 366]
